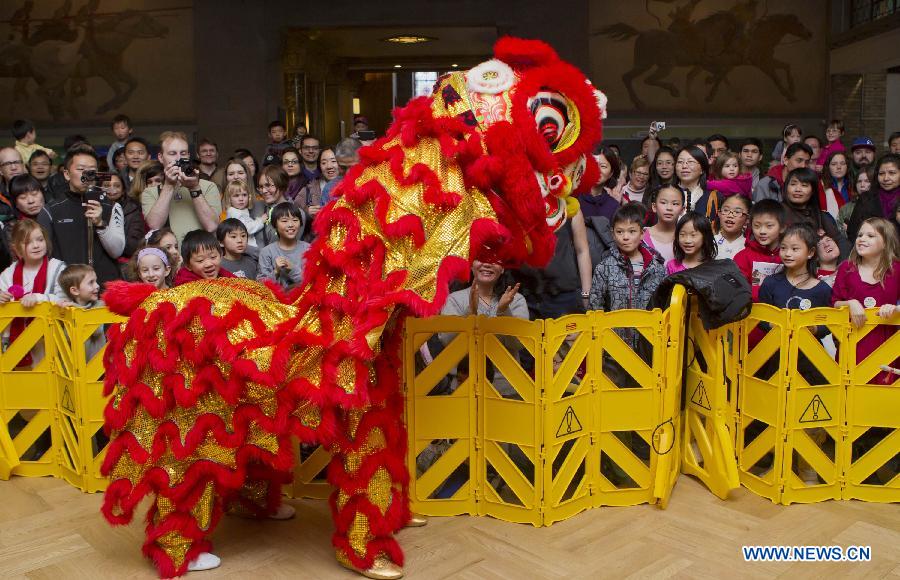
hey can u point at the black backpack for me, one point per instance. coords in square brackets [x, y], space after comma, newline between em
[724, 293]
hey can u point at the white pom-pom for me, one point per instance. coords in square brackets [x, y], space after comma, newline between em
[601, 102]
[490, 77]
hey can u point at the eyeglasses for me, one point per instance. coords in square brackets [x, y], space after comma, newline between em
[11, 163]
[290, 162]
[642, 174]
[732, 212]
[687, 162]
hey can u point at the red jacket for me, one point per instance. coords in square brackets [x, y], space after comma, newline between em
[184, 276]
[777, 172]
[751, 258]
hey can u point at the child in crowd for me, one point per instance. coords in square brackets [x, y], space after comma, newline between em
[760, 258]
[626, 277]
[282, 261]
[122, 130]
[796, 285]
[732, 219]
[667, 206]
[165, 238]
[728, 179]
[33, 278]
[694, 243]
[833, 134]
[79, 282]
[201, 255]
[862, 185]
[237, 201]
[829, 256]
[233, 235]
[151, 265]
[629, 272]
[25, 134]
[870, 278]
[791, 134]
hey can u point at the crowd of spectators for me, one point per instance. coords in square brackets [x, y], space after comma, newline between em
[671, 208]
[103, 207]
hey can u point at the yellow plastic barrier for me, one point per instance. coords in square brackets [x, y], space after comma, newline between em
[708, 452]
[811, 422]
[534, 422]
[52, 409]
[27, 394]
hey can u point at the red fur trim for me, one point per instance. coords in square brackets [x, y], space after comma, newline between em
[522, 54]
[123, 298]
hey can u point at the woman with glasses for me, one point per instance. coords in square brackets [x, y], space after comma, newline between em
[691, 168]
[272, 183]
[638, 178]
[293, 166]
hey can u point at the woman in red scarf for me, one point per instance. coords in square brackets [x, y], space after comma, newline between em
[31, 279]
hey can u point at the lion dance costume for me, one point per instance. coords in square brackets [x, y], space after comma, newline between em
[210, 381]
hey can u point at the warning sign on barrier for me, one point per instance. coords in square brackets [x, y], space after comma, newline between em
[700, 398]
[569, 424]
[815, 411]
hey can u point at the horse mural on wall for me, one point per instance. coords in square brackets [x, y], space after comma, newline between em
[59, 54]
[716, 44]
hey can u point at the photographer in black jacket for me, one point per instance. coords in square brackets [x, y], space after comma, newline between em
[68, 224]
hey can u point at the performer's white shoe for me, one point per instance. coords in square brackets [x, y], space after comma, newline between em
[205, 561]
[284, 512]
[417, 520]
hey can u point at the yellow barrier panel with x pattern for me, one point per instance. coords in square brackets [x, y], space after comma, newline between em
[811, 422]
[51, 401]
[708, 452]
[535, 421]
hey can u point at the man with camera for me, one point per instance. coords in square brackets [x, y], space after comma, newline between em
[184, 201]
[85, 204]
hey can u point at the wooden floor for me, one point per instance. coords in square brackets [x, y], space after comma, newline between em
[49, 530]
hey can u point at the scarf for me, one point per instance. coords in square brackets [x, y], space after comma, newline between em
[19, 325]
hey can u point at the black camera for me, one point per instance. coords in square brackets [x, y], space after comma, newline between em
[94, 193]
[93, 176]
[186, 166]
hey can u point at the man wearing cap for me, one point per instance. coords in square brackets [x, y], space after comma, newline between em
[863, 150]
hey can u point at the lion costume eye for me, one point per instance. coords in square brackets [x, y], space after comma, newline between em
[556, 119]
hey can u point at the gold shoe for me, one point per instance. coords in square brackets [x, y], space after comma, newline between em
[382, 569]
[417, 521]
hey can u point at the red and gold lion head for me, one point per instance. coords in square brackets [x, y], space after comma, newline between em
[539, 118]
[519, 128]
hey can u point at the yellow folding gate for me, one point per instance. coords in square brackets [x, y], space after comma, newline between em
[536, 421]
[811, 422]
